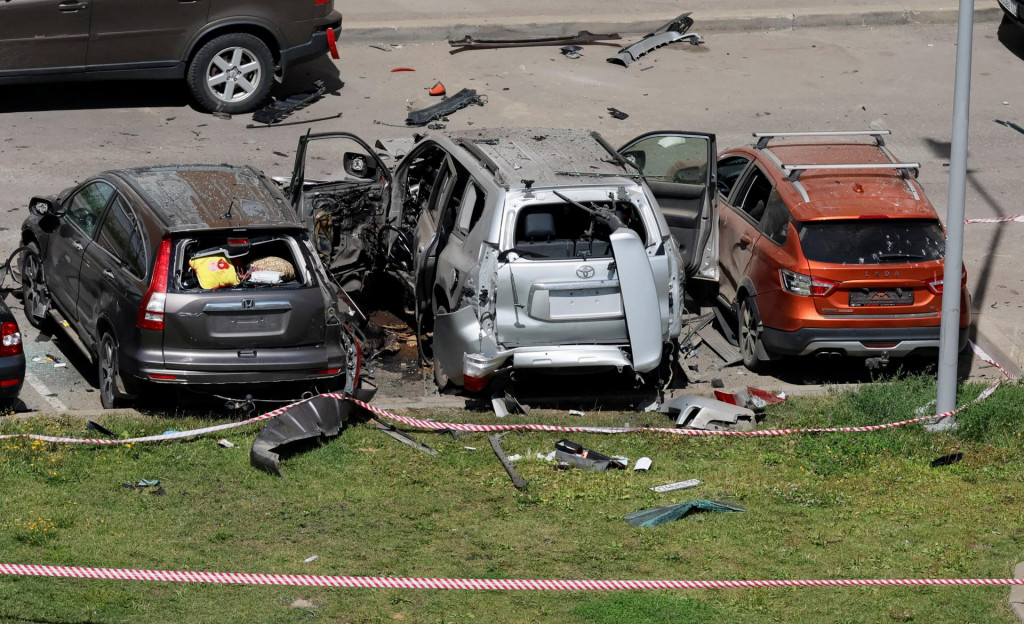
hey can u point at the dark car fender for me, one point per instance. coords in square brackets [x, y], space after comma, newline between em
[237, 24]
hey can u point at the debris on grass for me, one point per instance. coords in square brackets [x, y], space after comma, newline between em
[661, 515]
[678, 485]
[518, 481]
[575, 455]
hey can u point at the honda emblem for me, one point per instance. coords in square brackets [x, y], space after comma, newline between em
[248, 304]
[585, 272]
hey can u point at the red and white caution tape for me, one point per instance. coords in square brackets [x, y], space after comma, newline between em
[985, 357]
[1017, 218]
[431, 425]
[386, 582]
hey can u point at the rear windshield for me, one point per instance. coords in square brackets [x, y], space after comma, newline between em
[240, 262]
[566, 231]
[872, 241]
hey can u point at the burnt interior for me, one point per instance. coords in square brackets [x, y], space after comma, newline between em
[565, 231]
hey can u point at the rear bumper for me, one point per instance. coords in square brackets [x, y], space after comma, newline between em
[316, 46]
[226, 366]
[856, 342]
[12, 370]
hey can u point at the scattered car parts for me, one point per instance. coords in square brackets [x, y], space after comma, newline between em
[572, 51]
[670, 32]
[1010, 124]
[275, 112]
[437, 89]
[402, 436]
[446, 107]
[574, 454]
[678, 485]
[518, 481]
[300, 426]
[709, 414]
[661, 515]
[582, 37]
[617, 114]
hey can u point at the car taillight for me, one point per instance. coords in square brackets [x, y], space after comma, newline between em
[151, 310]
[11, 344]
[806, 285]
[472, 383]
[935, 285]
[319, 2]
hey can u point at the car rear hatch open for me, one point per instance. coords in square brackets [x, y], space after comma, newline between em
[879, 268]
[243, 299]
[574, 281]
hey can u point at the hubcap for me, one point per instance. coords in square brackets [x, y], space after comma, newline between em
[749, 333]
[106, 370]
[233, 74]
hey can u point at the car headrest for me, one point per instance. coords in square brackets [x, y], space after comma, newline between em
[539, 226]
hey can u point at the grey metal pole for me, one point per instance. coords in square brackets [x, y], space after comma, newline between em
[949, 342]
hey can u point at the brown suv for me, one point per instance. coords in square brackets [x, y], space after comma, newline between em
[228, 50]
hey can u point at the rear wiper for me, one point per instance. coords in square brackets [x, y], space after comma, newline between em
[900, 256]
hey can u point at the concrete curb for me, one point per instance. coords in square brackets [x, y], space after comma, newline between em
[438, 30]
[1016, 600]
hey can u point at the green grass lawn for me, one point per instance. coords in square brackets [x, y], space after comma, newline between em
[828, 506]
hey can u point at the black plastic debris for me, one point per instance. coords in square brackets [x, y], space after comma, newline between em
[517, 480]
[445, 107]
[275, 112]
[583, 36]
[572, 51]
[669, 32]
[616, 113]
[947, 460]
[575, 455]
[300, 427]
[1010, 124]
[95, 426]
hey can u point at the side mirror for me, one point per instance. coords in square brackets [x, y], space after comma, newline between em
[637, 157]
[359, 166]
[43, 207]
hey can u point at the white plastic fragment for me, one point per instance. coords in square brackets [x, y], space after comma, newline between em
[678, 485]
[644, 463]
[311, 559]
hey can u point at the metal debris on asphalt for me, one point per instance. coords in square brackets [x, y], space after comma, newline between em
[278, 110]
[582, 37]
[670, 32]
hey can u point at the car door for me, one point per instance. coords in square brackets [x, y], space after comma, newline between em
[112, 270]
[738, 228]
[124, 32]
[341, 191]
[434, 225]
[680, 169]
[68, 245]
[47, 35]
[460, 255]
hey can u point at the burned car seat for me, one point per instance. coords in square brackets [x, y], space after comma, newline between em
[538, 237]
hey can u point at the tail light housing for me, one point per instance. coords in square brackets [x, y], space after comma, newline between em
[806, 285]
[475, 384]
[151, 310]
[11, 339]
[935, 285]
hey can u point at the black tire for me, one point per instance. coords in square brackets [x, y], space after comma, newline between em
[749, 334]
[232, 73]
[33, 286]
[107, 373]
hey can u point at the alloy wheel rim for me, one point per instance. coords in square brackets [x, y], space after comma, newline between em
[106, 371]
[233, 74]
[30, 275]
[749, 332]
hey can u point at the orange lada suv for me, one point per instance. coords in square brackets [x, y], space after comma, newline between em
[828, 246]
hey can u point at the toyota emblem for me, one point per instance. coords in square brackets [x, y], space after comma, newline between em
[585, 272]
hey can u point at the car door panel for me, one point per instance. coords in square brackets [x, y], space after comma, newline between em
[121, 35]
[680, 169]
[71, 241]
[43, 35]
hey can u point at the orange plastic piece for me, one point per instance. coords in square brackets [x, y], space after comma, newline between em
[437, 89]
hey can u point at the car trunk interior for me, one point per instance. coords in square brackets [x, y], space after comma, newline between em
[240, 290]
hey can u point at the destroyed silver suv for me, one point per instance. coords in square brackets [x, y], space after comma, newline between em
[522, 249]
[190, 275]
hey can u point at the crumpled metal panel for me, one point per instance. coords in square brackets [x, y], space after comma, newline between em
[314, 420]
[639, 299]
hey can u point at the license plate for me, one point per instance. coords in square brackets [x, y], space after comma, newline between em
[865, 298]
[1009, 5]
[585, 303]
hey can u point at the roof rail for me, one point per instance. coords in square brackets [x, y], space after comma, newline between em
[905, 169]
[764, 137]
[477, 153]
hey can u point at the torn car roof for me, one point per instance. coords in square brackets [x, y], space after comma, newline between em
[214, 196]
[545, 155]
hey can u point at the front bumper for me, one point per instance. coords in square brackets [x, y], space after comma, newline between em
[856, 342]
[316, 46]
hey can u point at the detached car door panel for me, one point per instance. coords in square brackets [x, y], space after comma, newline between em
[43, 36]
[680, 169]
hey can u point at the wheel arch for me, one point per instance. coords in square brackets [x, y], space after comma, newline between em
[264, 31]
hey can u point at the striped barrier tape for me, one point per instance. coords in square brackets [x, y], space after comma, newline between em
[431, 425]
[386, 582]
[1017, 218]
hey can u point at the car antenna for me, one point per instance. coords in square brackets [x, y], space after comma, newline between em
[227, 215]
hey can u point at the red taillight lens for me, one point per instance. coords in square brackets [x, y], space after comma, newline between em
[11, 344]
[151, 310]
[329, 371]
[474, 384]
[806, 285]
[319, 2]
[935, 285]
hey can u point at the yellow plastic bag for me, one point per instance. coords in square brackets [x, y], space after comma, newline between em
[214, 272]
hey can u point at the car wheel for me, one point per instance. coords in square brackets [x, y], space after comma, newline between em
[34, 294]
[232, 73]
[750, 336]
[110, 395]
